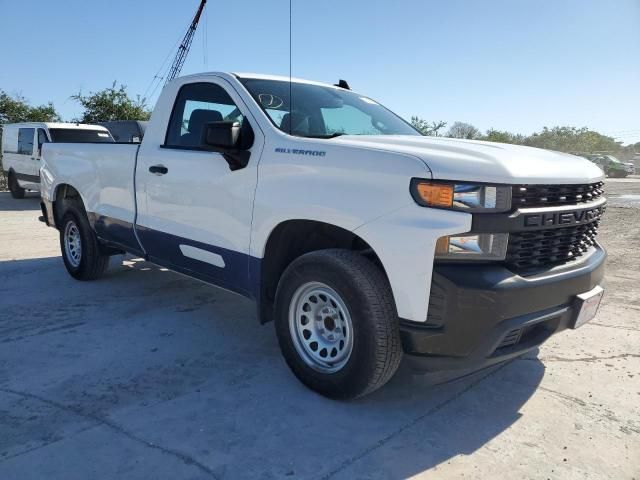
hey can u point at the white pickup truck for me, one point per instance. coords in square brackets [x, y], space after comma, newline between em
[362, 239]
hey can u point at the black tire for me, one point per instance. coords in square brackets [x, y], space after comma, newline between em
[92, 260]
[14, 187]
[376, 351]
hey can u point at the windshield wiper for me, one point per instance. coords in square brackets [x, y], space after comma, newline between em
[333, 135]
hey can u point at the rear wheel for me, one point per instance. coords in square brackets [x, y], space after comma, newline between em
[14, 187]
[336, 323]
[81, 252]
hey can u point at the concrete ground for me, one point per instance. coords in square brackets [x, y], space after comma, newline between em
[145, 374]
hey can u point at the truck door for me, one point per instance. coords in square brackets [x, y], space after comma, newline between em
[194, 212]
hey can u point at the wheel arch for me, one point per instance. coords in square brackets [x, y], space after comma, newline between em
[293, 238]
[65, 195]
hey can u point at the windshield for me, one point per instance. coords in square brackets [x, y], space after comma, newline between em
[323, 112]
[77, 135]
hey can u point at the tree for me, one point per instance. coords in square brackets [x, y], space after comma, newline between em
[430, 129]
[494, 135]
[463, 130]
[112, 104]
[572, 139]
[17, 109]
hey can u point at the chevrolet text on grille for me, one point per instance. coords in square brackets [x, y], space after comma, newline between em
[575, 217]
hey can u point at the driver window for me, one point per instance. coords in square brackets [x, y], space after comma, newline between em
[198, 104]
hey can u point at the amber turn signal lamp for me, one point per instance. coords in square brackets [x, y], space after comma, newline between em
[435, 194]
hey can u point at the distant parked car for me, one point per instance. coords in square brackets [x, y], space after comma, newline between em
[22, 147]
[126, 131]
[631, 167]
[610, 165]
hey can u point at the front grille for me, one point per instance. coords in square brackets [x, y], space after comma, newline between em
[550, 247]
[528, 196]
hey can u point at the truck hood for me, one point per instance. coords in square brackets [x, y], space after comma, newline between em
[477, 161]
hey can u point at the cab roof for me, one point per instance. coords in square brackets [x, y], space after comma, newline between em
[261, 76]
[70, 126]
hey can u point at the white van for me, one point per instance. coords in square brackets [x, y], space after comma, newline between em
[22, 146]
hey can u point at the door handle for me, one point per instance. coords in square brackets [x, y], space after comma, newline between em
[158, 169]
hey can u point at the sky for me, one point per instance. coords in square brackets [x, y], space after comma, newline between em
[516, 65]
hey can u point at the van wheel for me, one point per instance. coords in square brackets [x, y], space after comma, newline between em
[14, 187]
[337, 324]
[81, 251]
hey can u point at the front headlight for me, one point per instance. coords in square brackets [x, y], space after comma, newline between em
[473, 246]
[465, 197]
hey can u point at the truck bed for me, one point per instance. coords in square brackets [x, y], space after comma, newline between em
[105, 171]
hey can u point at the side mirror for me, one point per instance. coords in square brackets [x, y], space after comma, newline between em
[221, 135]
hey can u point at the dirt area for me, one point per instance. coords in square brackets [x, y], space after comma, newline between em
[620, 234]
[147, 374]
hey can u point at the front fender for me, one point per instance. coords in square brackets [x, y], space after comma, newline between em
[405, 243]
[345, 187]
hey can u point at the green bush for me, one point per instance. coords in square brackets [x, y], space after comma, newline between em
[3, 178]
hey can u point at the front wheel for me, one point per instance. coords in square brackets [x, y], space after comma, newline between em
[81, 251]
[336, 323]
[14, 187]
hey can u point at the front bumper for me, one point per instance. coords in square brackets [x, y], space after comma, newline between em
[486, 314]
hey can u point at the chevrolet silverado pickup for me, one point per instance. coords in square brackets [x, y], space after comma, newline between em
[364, 241]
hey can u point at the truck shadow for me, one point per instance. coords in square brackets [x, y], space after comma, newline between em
[31, 201]
[187, 366]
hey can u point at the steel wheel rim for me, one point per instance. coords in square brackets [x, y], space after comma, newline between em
[321, 328]
[73, 244]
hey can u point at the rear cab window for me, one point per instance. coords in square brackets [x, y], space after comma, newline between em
[77, 135]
